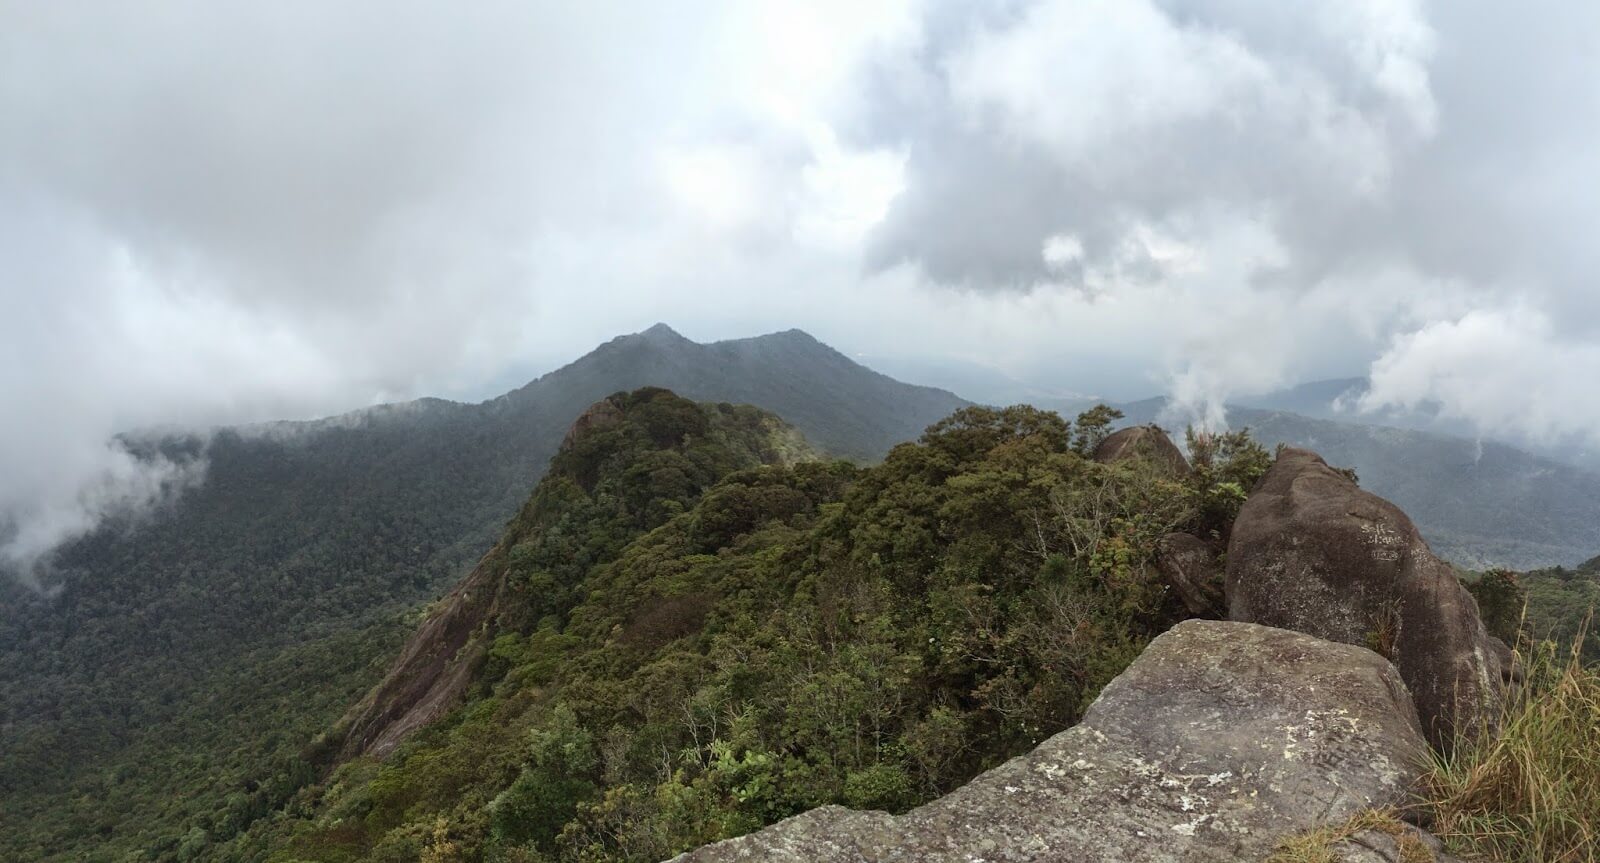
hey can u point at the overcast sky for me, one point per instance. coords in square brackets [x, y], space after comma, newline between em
[217, 212]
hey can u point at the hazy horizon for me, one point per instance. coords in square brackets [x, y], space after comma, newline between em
[221, 213]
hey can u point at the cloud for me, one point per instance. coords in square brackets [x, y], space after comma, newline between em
[1508, 370]
[117, 483]
[1095, 119]
[1105, 147]
[229, 212]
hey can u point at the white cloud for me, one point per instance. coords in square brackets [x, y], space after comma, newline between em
[1509, 371]
[252, 211]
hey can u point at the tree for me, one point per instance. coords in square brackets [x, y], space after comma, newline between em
[1093, 425]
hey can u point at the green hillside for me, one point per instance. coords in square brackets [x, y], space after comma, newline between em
[667, 666]
[304, 551]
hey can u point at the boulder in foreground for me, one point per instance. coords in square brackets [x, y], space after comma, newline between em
[1218, 742]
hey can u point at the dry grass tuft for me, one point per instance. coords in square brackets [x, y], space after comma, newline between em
[1320, 845]
[1530, 794]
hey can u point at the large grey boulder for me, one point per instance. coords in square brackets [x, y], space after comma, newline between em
[1218, 742]
[1143, 442]
[1312, 552]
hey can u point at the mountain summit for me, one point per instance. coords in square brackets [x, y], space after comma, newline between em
[841, 406]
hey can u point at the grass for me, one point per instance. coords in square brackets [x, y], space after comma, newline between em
[1321, 845]
[1531, 793]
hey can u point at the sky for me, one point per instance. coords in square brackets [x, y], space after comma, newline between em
[219, 212]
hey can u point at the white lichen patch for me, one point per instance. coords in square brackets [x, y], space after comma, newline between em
[1329, 724]
[1188, 828]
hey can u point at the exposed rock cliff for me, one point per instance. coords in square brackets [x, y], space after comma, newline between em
[1220, 740]
[438, 663]
[1312, 552]
[432, 671]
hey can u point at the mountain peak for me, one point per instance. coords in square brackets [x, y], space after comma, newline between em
[796, 335]
[662, 331]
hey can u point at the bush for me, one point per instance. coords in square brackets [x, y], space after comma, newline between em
[1500, 602]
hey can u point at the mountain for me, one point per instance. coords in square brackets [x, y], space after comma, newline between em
[1478, 503]
[1336, 399]
[844, 408]
[683, 637]
[201, 646]
[188, 647]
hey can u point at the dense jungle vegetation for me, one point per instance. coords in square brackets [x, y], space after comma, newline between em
[703, 626]
[190, 645]
[685, 665]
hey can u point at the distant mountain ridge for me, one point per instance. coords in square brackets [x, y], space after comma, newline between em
[1338, 399]
[843, 407]
[304, 534]
[1478, 503]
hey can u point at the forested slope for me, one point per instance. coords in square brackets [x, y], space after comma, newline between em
[665, 666]
[316, 539]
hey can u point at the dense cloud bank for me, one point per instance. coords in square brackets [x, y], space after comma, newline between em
[230, 212]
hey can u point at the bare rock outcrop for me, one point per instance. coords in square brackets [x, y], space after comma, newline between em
[1190, 568]
[1312, 552]
[1147, 442]
[438, 661]
[599, 415]
[1218, 742]
[432, 672]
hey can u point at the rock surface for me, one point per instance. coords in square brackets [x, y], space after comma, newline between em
[1188, 566]
[1312, 552]
[598, 415]
[1220, 740]
[1148, 442]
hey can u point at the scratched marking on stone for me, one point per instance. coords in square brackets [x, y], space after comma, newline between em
[1385, 540]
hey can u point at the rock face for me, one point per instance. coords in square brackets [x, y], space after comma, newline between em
[436, 665]
[1148, 442]
[1191, 569]
[433, 669]
[598, 415]
[1220, 740]
[1312, 552]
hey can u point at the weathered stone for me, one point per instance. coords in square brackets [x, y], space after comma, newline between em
[599, 415]
[1146, 442]
[1190, 568]
[1218, 742]
[1311, 551]
[432, 671]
